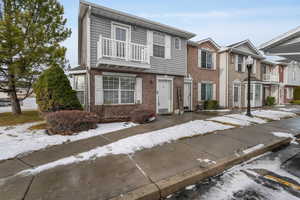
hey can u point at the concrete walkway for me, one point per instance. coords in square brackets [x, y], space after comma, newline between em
[148, 174]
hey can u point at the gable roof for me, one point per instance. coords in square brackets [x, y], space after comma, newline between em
[135, 20]
[234, 47]
[247, 41]
[280, 39]
[211, 41]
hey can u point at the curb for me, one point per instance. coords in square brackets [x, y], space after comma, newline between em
[165, 187]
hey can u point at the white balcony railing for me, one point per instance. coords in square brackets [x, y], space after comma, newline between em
[128, 51]
[271, 77]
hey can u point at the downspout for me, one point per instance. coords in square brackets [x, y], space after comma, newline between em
[227, 75]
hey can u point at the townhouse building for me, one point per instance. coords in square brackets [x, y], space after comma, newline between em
[291, 79]
[128, 62]
[272, 76]
[203, 72]
[233, 75]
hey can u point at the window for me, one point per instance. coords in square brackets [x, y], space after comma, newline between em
[158, 45]
[79, 87]
[240, 63]
[206, 91]
[206, 59]
[118, 89]
[177, 43]
[294, 76]
[290, 93]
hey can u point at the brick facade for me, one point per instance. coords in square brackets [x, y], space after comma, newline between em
[200, 74]
[122, 112]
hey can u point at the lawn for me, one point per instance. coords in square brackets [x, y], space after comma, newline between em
[8, 119]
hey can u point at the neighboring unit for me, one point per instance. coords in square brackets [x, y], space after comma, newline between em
[272, 76]
[233, 75]
[127, 62]
[202, 82]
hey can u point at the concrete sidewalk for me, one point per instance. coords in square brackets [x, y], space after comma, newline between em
[148, 174]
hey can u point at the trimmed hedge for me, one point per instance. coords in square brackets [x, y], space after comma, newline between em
[297, 93]
[270, 101]
[54, 92]
[68, 122]
[211, 104]
[142, 116]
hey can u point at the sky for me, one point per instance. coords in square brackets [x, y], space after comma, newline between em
[225, 21]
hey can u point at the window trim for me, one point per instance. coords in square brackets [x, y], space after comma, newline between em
[120, 90]
[80, 90]
[114, 25]
[179, 43]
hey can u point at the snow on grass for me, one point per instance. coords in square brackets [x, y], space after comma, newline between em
[28, 104]
[290, 109]
[229, 120]
[138, 142]
[16, 140]
[254, 148]
[247, 118]
[207, 161]
[285, 135]
[272, 114]
[218, 110]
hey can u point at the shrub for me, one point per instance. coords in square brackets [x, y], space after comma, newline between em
[53, 91]
[142, 116]
[211, 104]
[296, 102]
[270, 101]
[297, 93]
[68, 122]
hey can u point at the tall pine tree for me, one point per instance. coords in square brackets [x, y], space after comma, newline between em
[30, 35]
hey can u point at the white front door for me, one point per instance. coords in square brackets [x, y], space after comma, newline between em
[187, 101]
[255, 95]
[164, 96]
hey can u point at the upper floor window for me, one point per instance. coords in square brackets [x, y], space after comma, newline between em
[158, 45]
[294, 76]
[240, 63]
[264, 68]
[177, 43]
[206, 59]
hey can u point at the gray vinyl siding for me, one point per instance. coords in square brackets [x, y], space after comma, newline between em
[174, 66]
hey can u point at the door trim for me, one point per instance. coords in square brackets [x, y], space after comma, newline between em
[237, 83]
[189, 81]
[165, 78]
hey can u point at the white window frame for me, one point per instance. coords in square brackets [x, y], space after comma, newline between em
[120, 90]
[158, 44]
[179, 43]
[212, 59]
[242, 63]
[79, 89]
[115, 25]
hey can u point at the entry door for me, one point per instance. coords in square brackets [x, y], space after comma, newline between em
[258, 95]
[164, 96]
[237, 95]
[121, 37]
[187, 101]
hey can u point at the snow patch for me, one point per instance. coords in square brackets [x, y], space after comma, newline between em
[272, 114]
[252, 149]
[219, 110]
[136, 143]
[16, 140]
[207, 161]
[229, 120]
[290, 109]
[190, 187]
[286, 135]
[247, 118]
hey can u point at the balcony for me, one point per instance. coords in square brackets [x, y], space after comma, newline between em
[271, 77]
[122, 53]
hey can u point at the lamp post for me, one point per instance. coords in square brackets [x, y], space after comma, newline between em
[249, 63]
